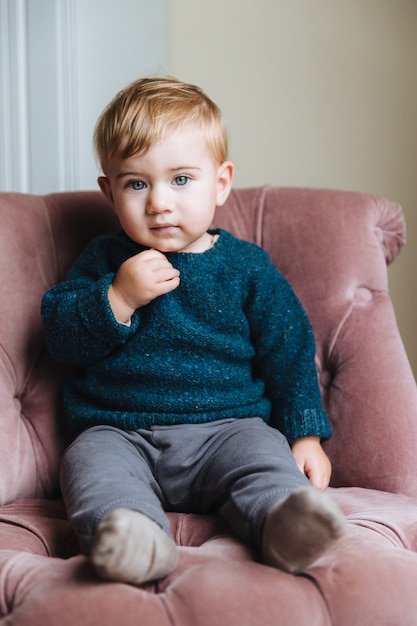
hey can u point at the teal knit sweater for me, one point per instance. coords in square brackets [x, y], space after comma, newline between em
[231, 341]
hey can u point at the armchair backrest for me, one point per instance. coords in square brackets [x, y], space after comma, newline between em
[332, 246]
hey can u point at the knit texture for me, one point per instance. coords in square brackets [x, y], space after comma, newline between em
[231, 341]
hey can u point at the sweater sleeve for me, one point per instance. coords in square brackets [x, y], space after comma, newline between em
[79, 325]
[284, 359]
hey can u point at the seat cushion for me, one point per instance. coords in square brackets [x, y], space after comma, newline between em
[368, 578]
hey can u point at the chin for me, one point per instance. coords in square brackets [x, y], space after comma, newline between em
[161, 247]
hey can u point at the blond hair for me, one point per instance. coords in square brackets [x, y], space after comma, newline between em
[139, 115]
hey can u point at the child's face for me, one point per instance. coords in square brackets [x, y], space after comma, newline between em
[165, 199]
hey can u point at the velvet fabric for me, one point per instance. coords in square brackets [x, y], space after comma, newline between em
[333, 247]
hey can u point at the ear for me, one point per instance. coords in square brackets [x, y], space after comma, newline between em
[105, 186]
[224, 181]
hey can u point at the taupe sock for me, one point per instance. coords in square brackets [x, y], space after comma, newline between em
[300, 529]
[130, 547]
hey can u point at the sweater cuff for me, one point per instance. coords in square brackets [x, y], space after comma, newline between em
[97, 315]
[308, 423]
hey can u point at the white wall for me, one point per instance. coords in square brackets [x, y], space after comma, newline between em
[61, 61]
[318, 93]
[117, 41]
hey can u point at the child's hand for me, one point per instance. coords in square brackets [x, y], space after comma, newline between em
[313, 461]
[139, 280]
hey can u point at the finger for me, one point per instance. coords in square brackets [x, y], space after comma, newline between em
[155, 265]
[318, 480]
[164, 274]
[151, 253]
[168, 285]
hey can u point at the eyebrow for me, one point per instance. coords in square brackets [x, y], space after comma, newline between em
[184, 167]
[124, 174]
[171, 169]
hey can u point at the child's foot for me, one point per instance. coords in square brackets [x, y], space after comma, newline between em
[300, 529]
[129, 547]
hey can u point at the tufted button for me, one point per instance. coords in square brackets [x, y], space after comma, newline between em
[363, 295]
[325, 378]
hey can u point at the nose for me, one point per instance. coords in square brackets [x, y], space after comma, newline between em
[159, 200]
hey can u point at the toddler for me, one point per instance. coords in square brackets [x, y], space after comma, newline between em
[195, 386]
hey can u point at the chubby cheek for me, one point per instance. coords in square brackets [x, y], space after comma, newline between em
[131, 223]
[128, 213]
[199, 214]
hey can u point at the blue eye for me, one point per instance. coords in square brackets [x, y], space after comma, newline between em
[181, 180]
[136, 185]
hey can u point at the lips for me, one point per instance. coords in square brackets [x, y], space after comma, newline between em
[163, 227]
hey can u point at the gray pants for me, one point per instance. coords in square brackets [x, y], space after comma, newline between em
[237, 468]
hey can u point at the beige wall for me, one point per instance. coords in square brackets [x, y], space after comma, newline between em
[316, 93]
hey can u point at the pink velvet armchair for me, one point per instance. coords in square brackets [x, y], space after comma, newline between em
[333, 247]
